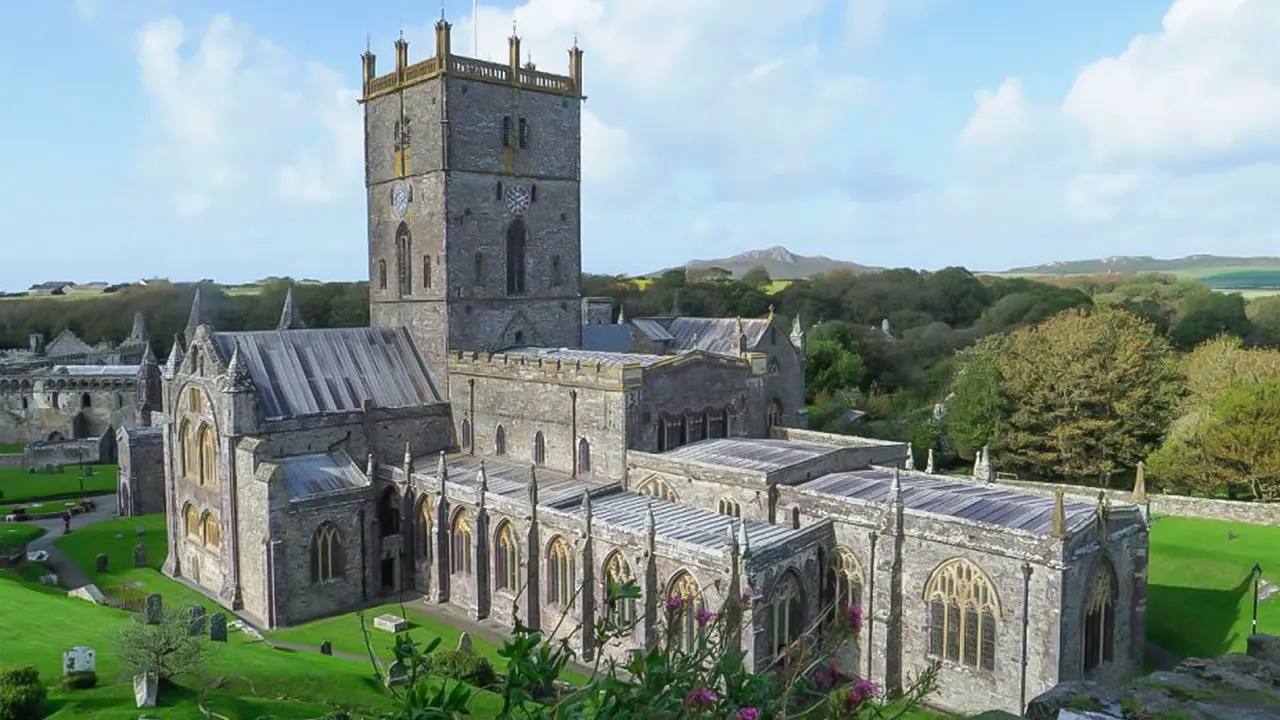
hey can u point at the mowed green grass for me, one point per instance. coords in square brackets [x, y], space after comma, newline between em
[13, 535]
[18, 484]
[1200, 588]
[12, 448]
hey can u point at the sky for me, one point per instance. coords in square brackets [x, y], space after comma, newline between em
[222, 139]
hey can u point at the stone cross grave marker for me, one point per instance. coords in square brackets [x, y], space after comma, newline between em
[218, 627]
[100, 563]
[155, 609]
[78, 659]
[139, 555]
[195, 620]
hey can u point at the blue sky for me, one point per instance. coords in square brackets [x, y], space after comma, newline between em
[220, 138]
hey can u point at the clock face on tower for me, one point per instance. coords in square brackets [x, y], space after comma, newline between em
[517, 200]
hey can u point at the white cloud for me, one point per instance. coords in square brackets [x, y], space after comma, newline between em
[88, 10]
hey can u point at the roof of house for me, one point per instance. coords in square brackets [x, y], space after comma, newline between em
[320, 473]
[942, 495]
[317, 371]
[758, 454]
[653, 329]
[606, 337]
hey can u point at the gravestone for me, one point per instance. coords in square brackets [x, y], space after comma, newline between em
[140, 531]
[397, 674]
[100, 563]
[390, 623]
[139, 555]
[464, 643]
[326, 648]
[78, 659]
[144, 689]
[218, 627]
[155, 609]
[195, 621]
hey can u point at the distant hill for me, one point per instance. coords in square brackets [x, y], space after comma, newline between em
[1193, 265]
[781, 263]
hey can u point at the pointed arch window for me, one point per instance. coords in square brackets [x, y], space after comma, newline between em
[728, 506]
[584, 455]
[466, 434]
[684, 617]
[426, 539]
[190, 451]
[208, 472]
[659, 488]
[86, 400]
[617, 572]
[786, 613]
[326, 554]
[389, 512]
[846, 579]
[500, 442]
[715, 424]
[774, 416]
[382, 274]
[460, 538]
[191, 521]
[516, 234]
[963, 608]
[506, 554]
[1100, 618]
[404, 268]
[212, 534]
[562, 572]
[539, 449]
[556, 279]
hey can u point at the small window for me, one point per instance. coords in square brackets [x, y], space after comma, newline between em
[729, 507]
[533, 193]
[524, 133]
[500, 442]
[539, 449]
[426, 272]
[479, 269]
[25, 404]
[773, 336]
[497, 191]
[382, 274]
[584, 456]
[195, 400]
[86, 400]
[506, 131]
[466, 434]
[555, 271]
[519, 337]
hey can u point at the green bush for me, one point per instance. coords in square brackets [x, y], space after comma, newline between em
[79, 680]
[21, 694]
[465, 666]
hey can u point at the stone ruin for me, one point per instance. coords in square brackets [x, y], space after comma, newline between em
[1237, 686]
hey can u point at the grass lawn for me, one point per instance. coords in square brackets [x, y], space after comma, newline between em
[17, 484]
[12, 448]
[40, 507]
[14, 534]
[1200, 588]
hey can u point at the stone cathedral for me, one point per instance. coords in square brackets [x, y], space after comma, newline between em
[501, 444]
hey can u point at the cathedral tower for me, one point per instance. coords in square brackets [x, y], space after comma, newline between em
[473, 175]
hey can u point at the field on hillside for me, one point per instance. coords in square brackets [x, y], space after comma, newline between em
[1252, 281]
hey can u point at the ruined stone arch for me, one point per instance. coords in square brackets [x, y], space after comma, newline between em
[327, 560]
[616, 573]
[461, 531]
[562, 572]
[659, 488]
[685, 597]
[786, 611]
[963, 612]
[1100, 616]
[389, 511]
[506, 558]
[190, 521]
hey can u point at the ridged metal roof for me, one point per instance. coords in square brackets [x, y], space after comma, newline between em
[653, 329]
[571, 355]
[715, 335]
[510, 479]
[681, 523]
[606, 338]
[313, 372]
[759, 454]
[942, 495]
[317, 473]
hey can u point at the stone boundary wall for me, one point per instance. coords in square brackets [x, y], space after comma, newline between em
[11, 460]
[1176, 505]
[67, 452]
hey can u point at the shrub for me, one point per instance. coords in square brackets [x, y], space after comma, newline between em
[21, 694]
[79, 680]
[466, 666]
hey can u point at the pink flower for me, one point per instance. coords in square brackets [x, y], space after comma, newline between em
[749, 713]
[822, 678]
[748, 594]
[701, 696]
[705, 616]
[863, 689]
[674, 602]
[854, 612]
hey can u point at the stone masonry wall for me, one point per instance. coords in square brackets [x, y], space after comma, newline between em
[141, 479]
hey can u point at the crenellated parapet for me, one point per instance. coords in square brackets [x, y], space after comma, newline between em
[566, 368]
[445, 63]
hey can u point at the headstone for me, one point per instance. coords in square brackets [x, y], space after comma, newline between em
[80, 658]
[397, 674]
[391, 623]
[218, 627]
[139, 555]
[89, 592]
[326, 648]
[1267, 590]
[100, 563]
[155, 609]
[195, 621]
[49, 579]
[144, 689]
[140, 530]
[464, 643]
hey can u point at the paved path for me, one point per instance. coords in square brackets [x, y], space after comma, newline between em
[70, 576]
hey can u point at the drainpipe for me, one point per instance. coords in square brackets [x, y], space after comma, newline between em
[364, 580]
[869, 604]
[1026, 623]
[573, 420]
[471, 402]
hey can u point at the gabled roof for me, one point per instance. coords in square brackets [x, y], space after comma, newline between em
[652, 329]
[715, 335]
[66, 343]
[758, 454]
[317, 371]
[320, 473]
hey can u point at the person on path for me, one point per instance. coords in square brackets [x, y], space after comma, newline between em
[66, 522]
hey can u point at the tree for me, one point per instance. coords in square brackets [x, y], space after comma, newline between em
[977, 410]
[1208, 316]
[1090, 393]
[1242, 437]
[1264, 313]
[757, 277]
[167, 648]
[831, 367]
